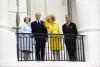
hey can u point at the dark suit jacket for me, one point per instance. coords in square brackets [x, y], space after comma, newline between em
[71, 30]
[38, 29]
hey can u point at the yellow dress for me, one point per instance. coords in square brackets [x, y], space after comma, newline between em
[55, 40]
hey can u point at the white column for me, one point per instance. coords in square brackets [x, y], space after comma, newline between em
[88, 20]
[38, 6]
[7, 38]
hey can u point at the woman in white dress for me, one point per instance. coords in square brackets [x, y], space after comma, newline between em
[26, 40]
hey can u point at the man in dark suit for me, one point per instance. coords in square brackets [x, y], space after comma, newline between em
[70, 33]
[39, 32]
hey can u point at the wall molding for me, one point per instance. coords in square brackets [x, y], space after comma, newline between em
[88, 30]
[5, 27]
[15, 12]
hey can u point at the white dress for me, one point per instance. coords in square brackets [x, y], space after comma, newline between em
[25, 40]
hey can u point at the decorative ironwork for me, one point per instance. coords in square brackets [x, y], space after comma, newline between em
[27, 42]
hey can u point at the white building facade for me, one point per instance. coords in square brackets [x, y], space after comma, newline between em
[85, 13]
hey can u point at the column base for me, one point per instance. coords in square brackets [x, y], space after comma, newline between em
[8, 51]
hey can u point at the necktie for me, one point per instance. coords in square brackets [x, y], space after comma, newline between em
[67, 24]
[39, 22]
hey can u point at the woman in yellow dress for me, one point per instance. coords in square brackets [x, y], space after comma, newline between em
[55, 39]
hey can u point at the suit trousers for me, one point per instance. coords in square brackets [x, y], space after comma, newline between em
[71, 48]
[40, 49]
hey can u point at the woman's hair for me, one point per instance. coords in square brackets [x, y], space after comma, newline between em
[52, 17]
[27, 17]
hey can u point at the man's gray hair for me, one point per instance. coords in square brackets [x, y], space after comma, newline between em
[37, 13]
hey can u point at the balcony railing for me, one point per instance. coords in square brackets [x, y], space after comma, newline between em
[71, 47]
